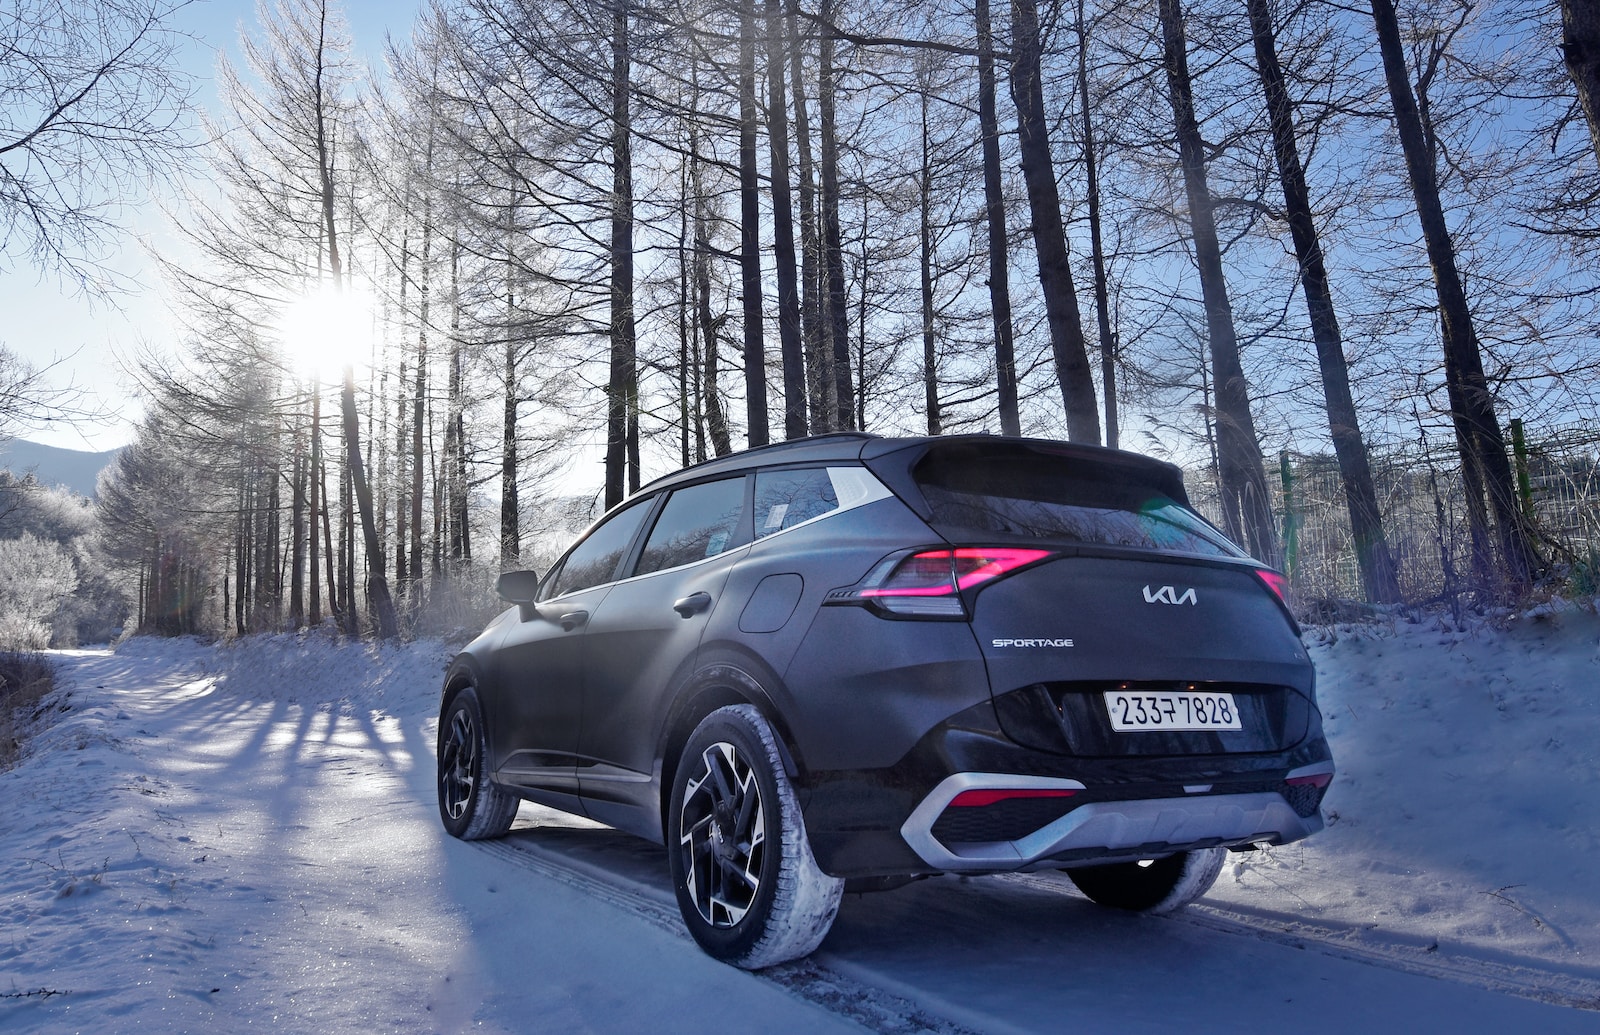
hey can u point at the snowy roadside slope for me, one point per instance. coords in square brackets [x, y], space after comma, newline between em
[1464, 822]
[221, 839]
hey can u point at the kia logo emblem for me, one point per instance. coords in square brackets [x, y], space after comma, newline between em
[1169, 595]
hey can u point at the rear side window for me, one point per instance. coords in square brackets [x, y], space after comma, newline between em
[699, 521]
[595, 560]
[786, 498]
[1045, 497]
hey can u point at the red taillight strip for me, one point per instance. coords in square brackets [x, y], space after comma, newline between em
[990, 795]
[985, 563]
[1275, 582]
[996, 562]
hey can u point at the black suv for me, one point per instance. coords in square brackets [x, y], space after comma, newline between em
[848, 661]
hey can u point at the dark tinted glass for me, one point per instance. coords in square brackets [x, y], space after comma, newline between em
[697, 522]
[595, 559]
[1046, 497]
[786, 498]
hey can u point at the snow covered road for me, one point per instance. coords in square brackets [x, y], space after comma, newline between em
[245, 837]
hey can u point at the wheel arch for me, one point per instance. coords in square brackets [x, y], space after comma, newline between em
[718, 683]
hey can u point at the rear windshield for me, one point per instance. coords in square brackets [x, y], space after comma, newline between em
[1044, 497]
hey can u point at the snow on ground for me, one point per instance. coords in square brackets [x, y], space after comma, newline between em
[244, 836]
[1465, 817]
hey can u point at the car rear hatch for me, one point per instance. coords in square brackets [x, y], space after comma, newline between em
[1138, 630]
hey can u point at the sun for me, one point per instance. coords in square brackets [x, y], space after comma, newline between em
[322, 332]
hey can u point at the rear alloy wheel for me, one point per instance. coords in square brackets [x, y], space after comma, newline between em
[470, 805]
[1151, 885]
[748, 887]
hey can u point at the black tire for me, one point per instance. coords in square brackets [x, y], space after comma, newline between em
[749, 888]
[1151, 885]
[470, 805]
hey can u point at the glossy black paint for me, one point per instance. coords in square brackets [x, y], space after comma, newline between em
[588, 696]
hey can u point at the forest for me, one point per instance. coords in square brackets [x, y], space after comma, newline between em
[442, 310]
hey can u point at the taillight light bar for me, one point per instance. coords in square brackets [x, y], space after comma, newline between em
[929, 583]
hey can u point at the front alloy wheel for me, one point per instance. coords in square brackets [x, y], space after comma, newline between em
[470, 805]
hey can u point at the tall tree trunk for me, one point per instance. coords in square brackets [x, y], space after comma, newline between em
[813, 327]
[711, 392]
[510, 507]
[419, 396]
[297, 526]
[755, 361]
[327, 549]
[456, 474]
[1485, 466]
[402, 482]
[930, 352]
[1102, 294]
[315, 506]
[1247, 507]
[994, 207]
[1580, 50]
[789, 341]
[832, 237]
[377, 577]
[687, 412]
[622, 388]
[1378, 578]
[1049, 235]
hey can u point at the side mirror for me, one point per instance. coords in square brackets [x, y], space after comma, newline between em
[518, 587]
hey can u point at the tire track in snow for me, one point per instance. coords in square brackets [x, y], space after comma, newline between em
[875, 1009]
[883, 1011]
[1410, 956]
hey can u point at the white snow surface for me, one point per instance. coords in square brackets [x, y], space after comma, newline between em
[244, 836]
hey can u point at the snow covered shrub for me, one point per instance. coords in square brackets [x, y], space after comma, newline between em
[37, 580]
[24, 680]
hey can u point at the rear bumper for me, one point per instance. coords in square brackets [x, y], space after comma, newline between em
[1103, 831]
[900, 819]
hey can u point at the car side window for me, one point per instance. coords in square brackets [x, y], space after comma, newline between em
[786, 498]
[595, 559]
[699, 521]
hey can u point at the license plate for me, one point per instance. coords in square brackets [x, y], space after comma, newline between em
[1140, 711]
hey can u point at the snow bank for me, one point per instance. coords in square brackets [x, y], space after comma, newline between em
[1465, 817]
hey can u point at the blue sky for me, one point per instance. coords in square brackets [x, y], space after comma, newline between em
[93, 342]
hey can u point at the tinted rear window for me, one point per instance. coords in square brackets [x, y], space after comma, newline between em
[1044, 497]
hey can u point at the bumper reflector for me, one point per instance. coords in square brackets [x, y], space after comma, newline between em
[989, 795]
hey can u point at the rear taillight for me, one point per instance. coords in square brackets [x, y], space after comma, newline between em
[929, 583]
[1275, 582]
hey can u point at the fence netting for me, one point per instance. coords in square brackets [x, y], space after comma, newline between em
[1424, 516]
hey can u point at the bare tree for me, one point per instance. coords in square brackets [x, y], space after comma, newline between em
[1247, 510]
[1485, 468]
[994, 210]
[1378, 577]
[93, 105]
[1049, 235]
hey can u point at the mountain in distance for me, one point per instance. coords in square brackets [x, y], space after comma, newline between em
[74, 469]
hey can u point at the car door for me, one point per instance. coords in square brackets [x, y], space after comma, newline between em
[537, 713]
[644, 636]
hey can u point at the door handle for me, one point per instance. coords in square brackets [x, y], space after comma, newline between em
[572, 619]
[691, 605]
